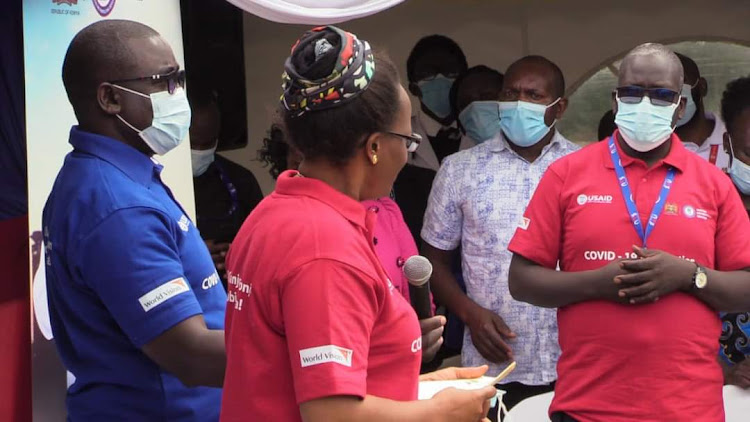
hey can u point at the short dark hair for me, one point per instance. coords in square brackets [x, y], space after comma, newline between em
[478, 70]
[336, 133]
[735, 100]
[689, 66]
[98, 53]
[658, 50]
[274, 151]
[558, 82]
[431, 43]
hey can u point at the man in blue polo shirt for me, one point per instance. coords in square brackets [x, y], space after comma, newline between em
[136, 306]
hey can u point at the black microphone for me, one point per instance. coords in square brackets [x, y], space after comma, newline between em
[418, 270]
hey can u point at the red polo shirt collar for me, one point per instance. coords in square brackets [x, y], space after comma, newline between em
[676, 158]
[289, 183]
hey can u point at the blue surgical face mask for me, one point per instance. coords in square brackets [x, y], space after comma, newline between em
[739, 172]
[644, 126]
[523, 122]
[201, 159]
[436, 95]
[481, 120]
[690, 107]
[170, 123]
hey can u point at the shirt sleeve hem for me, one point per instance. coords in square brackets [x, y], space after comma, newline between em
[526, 250]
[313, 391]
[439, 244]
[167, 320]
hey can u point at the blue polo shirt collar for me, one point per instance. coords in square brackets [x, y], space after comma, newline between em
[135, 164]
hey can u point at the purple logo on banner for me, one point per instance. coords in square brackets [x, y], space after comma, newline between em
[104, 7]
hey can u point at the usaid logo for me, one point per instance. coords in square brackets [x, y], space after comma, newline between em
[594, 199]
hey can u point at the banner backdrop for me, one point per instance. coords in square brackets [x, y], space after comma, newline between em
[48, 28]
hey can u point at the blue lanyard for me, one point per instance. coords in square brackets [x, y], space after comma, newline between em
[231, 189]
[627, 194]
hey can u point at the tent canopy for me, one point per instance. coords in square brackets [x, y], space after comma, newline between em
[313, 12]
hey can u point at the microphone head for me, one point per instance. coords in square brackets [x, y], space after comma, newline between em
[417, 270]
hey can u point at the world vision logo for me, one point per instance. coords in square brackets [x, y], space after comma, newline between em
[68, 2]
[103, 7]
[326, 354]
[163, 293]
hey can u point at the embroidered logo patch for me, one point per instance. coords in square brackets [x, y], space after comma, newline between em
[326, 354]
[163, 293]
[184, 223]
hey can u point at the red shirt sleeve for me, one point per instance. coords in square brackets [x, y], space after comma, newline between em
[329, 310]
[539, 234]
[732, 233]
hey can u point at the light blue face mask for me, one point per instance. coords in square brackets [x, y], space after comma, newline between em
[523, 122]
[690, 107]
[739, 172]
[644, 126]
[170, 123]
[436, 95]
[481, 120]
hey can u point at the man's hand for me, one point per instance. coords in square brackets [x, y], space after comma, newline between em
[432, 336]
[218, 253]
[739, 374]
[655, 274]
[608, 288]
[489, 333]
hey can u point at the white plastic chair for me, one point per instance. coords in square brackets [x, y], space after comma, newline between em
[736, 404]
[532, 409]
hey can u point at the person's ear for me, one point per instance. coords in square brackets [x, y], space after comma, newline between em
[372, 148]
[727, 147]
[614, 103]
[562, 105]
[680, 110]
[702, 87]
[415, 90]
[108, 98]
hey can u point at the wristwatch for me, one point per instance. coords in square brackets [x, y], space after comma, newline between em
[700, 278]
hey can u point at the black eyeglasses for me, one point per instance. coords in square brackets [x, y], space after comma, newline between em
[174, 79]
[412, 141]
[658, 96]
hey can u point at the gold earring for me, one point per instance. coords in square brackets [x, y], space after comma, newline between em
[374, 159]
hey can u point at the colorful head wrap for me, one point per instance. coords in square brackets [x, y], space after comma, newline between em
[326, 68]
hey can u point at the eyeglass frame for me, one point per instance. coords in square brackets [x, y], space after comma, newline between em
[173, 78]
[413, 139]
[646, 92]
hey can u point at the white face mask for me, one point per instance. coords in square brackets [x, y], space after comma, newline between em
[170, 123]
[690, 107]
[739, 172]
[201, 159]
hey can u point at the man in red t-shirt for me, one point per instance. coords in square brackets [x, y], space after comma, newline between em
[638, 326]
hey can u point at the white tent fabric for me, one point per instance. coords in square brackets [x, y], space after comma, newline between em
[313, 12]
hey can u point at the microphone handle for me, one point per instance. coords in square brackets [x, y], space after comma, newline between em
[420, 300]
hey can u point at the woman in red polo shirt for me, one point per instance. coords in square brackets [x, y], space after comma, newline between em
[315, 331]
